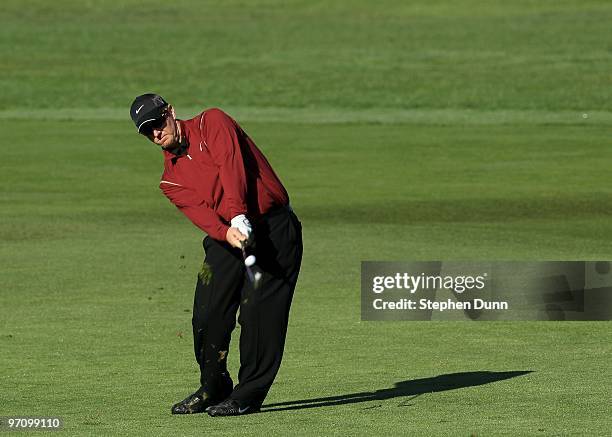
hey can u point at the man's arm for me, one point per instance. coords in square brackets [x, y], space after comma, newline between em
[226, 153]
[195, 209]
[227, 156]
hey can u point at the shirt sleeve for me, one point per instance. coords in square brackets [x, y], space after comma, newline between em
[224, 142]
[195, 209]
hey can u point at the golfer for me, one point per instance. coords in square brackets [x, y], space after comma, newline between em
[215, 174]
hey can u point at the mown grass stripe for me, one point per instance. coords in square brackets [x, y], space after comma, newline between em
[342, 115]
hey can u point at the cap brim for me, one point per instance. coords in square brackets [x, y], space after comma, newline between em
[149, 120]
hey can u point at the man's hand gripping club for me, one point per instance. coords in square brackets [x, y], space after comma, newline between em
[240, 234]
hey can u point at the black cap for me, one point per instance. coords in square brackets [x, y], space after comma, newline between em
[147, 108]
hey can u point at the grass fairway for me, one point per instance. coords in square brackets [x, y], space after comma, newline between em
[437, 130]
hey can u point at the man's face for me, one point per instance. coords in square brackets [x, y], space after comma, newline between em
[165, 132]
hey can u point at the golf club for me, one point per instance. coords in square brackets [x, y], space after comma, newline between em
[249, 262]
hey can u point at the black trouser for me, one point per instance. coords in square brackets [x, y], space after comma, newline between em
[264, 313]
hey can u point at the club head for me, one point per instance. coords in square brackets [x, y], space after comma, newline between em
[257, 277]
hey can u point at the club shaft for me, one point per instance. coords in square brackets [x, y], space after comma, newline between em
[250, 274]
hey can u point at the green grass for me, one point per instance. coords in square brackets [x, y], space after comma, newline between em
[548, 55]
[420, 131]
[98, 272]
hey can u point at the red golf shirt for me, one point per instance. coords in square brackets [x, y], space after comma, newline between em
[223, 174]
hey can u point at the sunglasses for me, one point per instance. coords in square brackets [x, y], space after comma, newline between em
[148, 128]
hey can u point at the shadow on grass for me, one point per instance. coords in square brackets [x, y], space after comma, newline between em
[412, 388]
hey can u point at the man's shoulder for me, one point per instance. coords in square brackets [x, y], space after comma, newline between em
[208, 118]
[216, 115]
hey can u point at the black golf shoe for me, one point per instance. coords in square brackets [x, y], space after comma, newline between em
[230, 407]
[193, 404]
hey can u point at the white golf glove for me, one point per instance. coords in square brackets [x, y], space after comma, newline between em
[244, 226]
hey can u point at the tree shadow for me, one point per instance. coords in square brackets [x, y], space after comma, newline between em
[413, 388]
